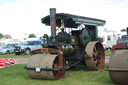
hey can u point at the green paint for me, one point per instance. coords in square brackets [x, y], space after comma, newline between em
[85, 37]
[88, 23]
[75, 19]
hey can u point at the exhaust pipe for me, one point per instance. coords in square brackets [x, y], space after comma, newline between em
[53, 22]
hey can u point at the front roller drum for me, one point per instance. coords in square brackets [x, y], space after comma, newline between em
[47, 63]
[118, 67]
[95, 55]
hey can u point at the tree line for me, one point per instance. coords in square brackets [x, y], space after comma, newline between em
[30, 36]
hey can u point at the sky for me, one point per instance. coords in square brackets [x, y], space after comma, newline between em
[21, 17]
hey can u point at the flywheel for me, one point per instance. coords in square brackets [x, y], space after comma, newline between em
[42, 66]
[95, 55]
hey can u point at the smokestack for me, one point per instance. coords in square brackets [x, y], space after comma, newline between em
[53, 22]
[127, 30]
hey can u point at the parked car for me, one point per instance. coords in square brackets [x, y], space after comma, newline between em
[12, 44]
[7, 49]
[121, 43]
[123, 40]
[28, 46]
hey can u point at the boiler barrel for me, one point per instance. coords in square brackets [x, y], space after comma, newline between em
[68, 49]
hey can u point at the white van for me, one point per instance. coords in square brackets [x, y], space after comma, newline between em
[109, 39]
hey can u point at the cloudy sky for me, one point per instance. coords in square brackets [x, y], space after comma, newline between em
[20, 17]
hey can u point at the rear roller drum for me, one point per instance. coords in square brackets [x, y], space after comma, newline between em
[95, 55]
[118, 66]
[45, 62]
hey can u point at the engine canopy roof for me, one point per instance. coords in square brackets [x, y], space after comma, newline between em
[73, 21]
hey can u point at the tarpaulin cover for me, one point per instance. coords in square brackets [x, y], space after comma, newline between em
[7, 62]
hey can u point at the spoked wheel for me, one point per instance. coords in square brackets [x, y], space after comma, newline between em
[96, 56]
[60, 73]
[45, 62]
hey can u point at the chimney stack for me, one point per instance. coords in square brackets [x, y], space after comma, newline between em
[53, 22]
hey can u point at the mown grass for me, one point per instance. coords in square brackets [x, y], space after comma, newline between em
[17, 75]
[108, 52]
[14, 56]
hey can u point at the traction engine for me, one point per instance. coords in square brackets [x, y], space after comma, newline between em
[73, 41]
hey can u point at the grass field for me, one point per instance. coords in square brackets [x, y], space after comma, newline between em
[14, 56]
[16, 75]
[107, 53]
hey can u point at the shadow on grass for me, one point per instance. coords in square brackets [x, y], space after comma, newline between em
[83, 67]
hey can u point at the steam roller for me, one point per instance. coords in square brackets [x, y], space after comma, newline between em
[118, 62]
[118, 66]
[73, 42]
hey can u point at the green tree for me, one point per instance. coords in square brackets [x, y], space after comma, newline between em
[1, 35]
[32, 36]
[123, 30]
